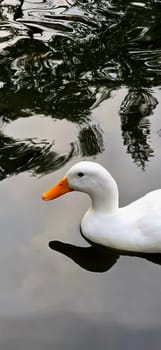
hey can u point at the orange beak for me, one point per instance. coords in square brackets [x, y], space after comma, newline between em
[57, 190]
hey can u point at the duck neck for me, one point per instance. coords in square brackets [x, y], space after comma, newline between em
[105, 199]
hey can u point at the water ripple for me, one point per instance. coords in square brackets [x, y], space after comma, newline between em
[64, 58]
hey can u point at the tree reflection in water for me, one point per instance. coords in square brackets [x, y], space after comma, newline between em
[135, 125]
[66, 59]
[17, 156]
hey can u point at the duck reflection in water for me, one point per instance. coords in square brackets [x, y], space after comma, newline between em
[96, 258]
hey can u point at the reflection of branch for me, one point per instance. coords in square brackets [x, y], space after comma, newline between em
[38, 157]
[101, 95]
[18, 12]
[17, 156]
[91, 141]
[138, 101]
[135, 128]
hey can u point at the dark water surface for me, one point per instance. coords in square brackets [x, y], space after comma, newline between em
[78, 80]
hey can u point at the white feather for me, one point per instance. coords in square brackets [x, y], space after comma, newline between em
[136, 227]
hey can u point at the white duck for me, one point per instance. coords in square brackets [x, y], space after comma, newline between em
[135, 227]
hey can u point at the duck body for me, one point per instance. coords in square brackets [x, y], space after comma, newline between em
[135, 227]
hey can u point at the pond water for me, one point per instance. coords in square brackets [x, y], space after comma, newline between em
[78, 80]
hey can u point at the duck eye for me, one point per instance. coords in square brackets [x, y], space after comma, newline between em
[80, 174]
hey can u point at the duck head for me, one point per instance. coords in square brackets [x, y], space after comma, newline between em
[90, 178]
